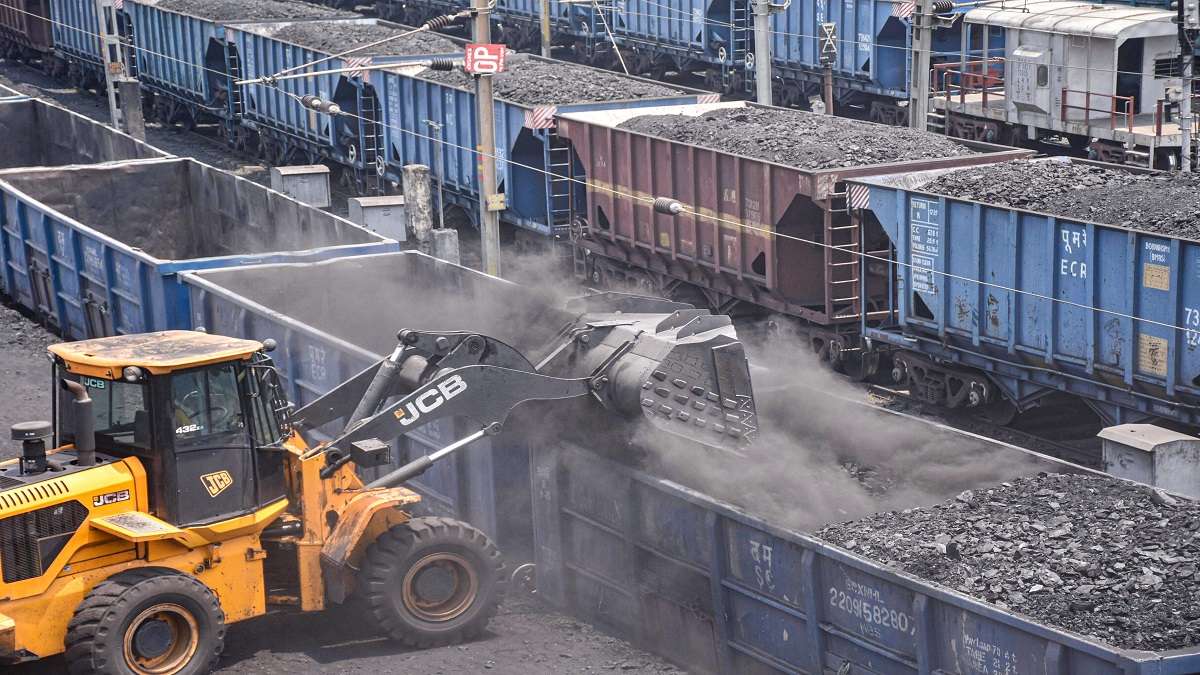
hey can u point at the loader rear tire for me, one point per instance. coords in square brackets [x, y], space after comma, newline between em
[146, 622]
[432, 582]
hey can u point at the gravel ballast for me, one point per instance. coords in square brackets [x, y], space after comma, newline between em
[251, 10]
[1106, 558]
[334, 37]
[1167, 203]
[530, 81]
[795, 138]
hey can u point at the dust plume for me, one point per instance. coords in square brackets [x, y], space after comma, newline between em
[822, 456]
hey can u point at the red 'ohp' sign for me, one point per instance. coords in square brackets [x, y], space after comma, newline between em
[484, 59]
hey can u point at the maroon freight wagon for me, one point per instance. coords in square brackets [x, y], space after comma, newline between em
[25, 29]
[723, 249]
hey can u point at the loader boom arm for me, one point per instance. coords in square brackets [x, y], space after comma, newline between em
[683, 370]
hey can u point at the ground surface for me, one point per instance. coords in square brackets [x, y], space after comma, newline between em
[526, 638]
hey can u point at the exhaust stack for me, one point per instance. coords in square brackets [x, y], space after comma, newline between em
[85, 424]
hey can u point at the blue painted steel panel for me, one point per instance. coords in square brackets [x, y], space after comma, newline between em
[721, 591]
[172, 49]
[701, 29]
[278, 108]
[87, 283]
[186, 56]
[522, 157]
[77, 30]
[1057, 304]
[871, 42]
[872, 45]
[485, 484]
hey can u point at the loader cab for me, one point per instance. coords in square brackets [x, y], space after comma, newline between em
[203, 413]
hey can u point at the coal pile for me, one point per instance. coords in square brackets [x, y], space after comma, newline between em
[335, 37]
[1161, 203]
[250, 10]
[529, 81]
[1106, 558]
[798, 139]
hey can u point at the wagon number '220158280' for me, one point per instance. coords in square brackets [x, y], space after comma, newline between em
[875, 614]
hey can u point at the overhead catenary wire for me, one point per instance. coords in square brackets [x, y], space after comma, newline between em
[689, 210]
[437, 22]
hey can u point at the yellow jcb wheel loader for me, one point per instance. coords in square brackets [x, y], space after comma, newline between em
[183, 493]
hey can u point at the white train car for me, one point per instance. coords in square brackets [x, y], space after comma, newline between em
[1102, 77]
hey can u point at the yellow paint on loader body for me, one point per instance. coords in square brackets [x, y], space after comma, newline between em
[121, 530]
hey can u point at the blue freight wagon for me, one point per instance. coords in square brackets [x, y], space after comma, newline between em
[872, 66]
[324, 340]
[708, 37]
[8, 94]
[95, 250]
[76, 34]
[537, 171]
[721, 591]
[515, 23]
[43, 134]
[711, 39]
[288, 131]
[185, 60]
[1102, 312]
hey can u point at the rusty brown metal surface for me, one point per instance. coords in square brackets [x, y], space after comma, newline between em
[727, 239]
[27, 23]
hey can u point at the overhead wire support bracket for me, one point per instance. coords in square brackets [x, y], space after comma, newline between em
[432, 64]
[432, 24]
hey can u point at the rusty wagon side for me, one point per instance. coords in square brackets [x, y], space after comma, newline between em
[754, 234]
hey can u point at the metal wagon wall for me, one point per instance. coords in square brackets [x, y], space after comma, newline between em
[1056, 310]
[43, 134]
[75, 239]
[533, 164]
[721, 591]
[25, 32]
[724, 245]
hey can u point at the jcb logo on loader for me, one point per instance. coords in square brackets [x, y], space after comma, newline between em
[110, 498]
[216, 482]
[431, 399]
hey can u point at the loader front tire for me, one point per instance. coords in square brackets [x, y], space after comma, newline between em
[146, 622]
[432, 581]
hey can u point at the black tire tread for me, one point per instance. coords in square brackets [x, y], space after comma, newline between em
[85, 627]
[388, 551]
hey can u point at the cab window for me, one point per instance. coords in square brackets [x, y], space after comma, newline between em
[264, 422]
[121, 412]
[206, 407]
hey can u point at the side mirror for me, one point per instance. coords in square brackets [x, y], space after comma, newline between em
[269, 345]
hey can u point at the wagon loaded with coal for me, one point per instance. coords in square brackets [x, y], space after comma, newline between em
[1018, 280]
[763, 222]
